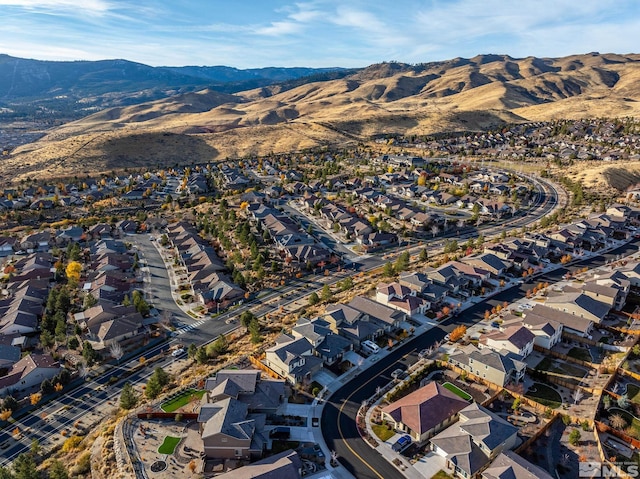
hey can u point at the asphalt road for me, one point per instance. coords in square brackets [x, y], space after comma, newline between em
[100, 395]
[339, 414]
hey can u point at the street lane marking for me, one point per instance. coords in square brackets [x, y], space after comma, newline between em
[347, 399]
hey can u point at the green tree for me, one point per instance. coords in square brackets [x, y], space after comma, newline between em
[24, 467]
[128, 397]
[201, 355]
[192, 350]
[218, 347]
[424, 255]
[245, 318]
[402, 263]
[6, 473]
[326, 293]
[574, 437]
[57, 470]
[89, 354]
[388, 271]
[254, 330]
[314, 298]
[153, 388]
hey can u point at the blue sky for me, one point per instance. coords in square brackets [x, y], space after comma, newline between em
[315, 33]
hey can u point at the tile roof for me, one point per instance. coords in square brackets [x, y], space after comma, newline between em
[425, 408]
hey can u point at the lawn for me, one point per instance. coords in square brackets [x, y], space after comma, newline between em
[567, 371]
[382, 431]
[457, 391]
[582, 354]
[168, 445]
[182, 400]
[633, 422]
[633, 392]
[545, 395]
[441, 475]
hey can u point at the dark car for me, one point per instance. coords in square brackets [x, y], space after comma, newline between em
[402, 443]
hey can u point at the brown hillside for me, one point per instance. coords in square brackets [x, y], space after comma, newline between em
[457, 94]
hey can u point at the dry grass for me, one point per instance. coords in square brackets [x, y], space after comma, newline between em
[455, 95]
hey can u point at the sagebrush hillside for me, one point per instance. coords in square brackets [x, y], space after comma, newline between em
[459, 94]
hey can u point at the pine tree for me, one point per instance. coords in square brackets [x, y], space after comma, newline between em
[128, 397]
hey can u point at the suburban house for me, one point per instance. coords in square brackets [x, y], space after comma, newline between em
[515, 339]
[497, 368]
[260, 394]
[285, 465]
[402, 298]
[327, 345]
[28, 372]
[351, 323]
[228, 430]
[478, 437]
[547, 332]
[424, 287]
[570, 322]
[508, 465]
[424, 412]
[388, 318]
[488, 262]
[293, 359]
[579, 304]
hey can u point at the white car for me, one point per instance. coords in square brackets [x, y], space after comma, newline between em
[178, 352]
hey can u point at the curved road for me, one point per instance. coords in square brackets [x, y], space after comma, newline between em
[339, 413]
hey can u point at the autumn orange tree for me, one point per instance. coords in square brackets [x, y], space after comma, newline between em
[5, 414]
[35, 398]
[458, 333]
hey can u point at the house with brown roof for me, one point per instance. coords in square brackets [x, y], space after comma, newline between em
[30, 371]
[515, 338]
[424, 412]
[401, 298]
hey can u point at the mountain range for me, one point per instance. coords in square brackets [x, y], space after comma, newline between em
[334, 107]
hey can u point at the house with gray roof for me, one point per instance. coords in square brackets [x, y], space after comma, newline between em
[260, 394]
[286, 465]
[470, 444]
[488, 262]
[327, 345]
[228, 430]
[389, 318]
[499, 368]
[424, 412]
[509, 465]
[571, 323]
[352, 324]
[578, 304]
[292, 359]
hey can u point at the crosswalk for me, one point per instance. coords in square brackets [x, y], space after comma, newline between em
[190, 327]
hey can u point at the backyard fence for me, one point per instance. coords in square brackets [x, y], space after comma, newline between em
[262, 367]
[166, 415]
[565, 357]
[536, 436]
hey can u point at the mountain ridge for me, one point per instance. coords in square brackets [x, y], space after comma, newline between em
[356, 106]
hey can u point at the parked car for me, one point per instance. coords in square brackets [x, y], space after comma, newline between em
[402, 443]
[447, 337]
[398, 374]
[495, 324]
[178, 352]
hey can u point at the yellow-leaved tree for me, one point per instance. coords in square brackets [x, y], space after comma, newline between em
[73, 271]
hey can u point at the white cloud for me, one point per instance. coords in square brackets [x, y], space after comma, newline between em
[91, 6]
